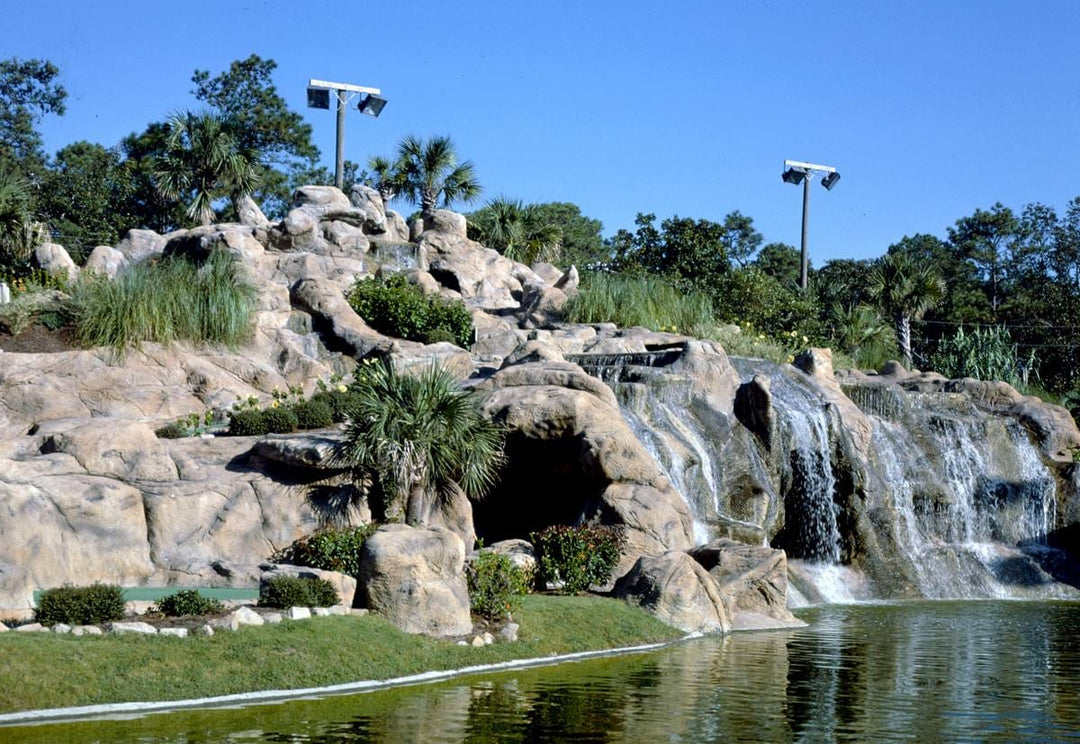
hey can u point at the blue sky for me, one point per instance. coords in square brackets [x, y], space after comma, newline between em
[929, 110]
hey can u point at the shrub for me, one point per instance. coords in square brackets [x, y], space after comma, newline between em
[248, 422]
[284, 592]
[81, 605]
[313, 414]
[330, 550]
[495, 585]
[187, 602]
[280, 420]
[397, 308]
[340, 402]
[174, 430]
[576, 557]
[169, 300]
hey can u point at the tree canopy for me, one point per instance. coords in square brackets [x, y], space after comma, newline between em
[28, 91]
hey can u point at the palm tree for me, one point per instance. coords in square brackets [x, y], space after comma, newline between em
[418, 438]
[430, 170]
[385, 177]
[204, 159]
[905, 290]
[858, 330]
[518, 232]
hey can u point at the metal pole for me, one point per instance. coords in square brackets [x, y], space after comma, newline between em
[339, 167]
[805, 222]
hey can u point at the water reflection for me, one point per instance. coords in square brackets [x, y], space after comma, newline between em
[985, 671]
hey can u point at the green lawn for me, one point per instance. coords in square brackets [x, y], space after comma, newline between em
[50, 671]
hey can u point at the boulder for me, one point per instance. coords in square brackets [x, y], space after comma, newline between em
[250, 214]
[298, 613]
[533, 351]
[54, 259]
[314, 451]
[134, 452]
[520, 552]
[368, 201]
[343, 583]
[199, 242]
[139, 245]
[415, 577]
[678, 591]
[751, 579]
[174, 632]
[138, 628]
[1052, 426]
[106, 260]
[569, 281]
[320, 196]
[396, 228]
[445, 221]
[753, 408]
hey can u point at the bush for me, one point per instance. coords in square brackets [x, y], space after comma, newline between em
[80, 605]
[330, 550]
[169, 300]
[495, 585]
[397, 308]
[280, 420]
[576, 557]
[341, 402]
[248, 422]
[187, 602]
[174, 430]
[313, 414]
[284, 592]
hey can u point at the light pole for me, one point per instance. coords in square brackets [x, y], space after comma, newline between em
[318, 96]
[796, 172]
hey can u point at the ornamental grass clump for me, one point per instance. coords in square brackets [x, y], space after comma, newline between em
[571, 559]
[169, 300]
[80, 605]
[641, 301]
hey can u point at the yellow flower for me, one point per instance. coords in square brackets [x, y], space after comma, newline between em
[341, 388]
[274, 404]
[805, 340]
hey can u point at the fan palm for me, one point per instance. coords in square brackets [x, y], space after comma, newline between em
[204, 160]
[518, 232]
[419, 438]
[859, 331]
[16, 219]
[905, 290]
[430, 171]
[385, 177]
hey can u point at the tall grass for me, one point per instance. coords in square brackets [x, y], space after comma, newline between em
[641, 301]
[170, 300]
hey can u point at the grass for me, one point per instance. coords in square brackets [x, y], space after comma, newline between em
[49, 671]
[170, 300]
[641, 301]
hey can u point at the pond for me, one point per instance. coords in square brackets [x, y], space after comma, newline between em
[925, 671]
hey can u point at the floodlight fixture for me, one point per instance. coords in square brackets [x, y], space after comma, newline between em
[319, 97]
[796, 172]
[371, 105]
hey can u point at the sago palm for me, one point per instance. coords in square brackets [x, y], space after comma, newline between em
[430, 171]
[204, 160]
[905, 290]
[418, 438]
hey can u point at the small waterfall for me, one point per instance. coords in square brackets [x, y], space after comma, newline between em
[395, 257]
[1039, 497]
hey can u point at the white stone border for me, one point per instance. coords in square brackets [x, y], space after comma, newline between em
[125, 710]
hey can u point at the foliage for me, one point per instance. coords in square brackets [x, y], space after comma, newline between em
[284, 592]
[386, 177]
[340, 401]
[28, 91]
[496, 585]
[429, 171]
[397, 308]
[748, 343]
[248, 422]
[329, 550]
[758, 303]
[187, 602]
[245, 94]
[280, 419]
[782, 262]
[575, 558]
[861, 333]
[86, 197]
[170, 300]
[420, 437]
[986, 353]
[80, 605]
[191, 425]
[582, 242]
[516, 230]
[205, 158]
[682, 249]
[640, 301]
[313, 414]
[16, 221]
